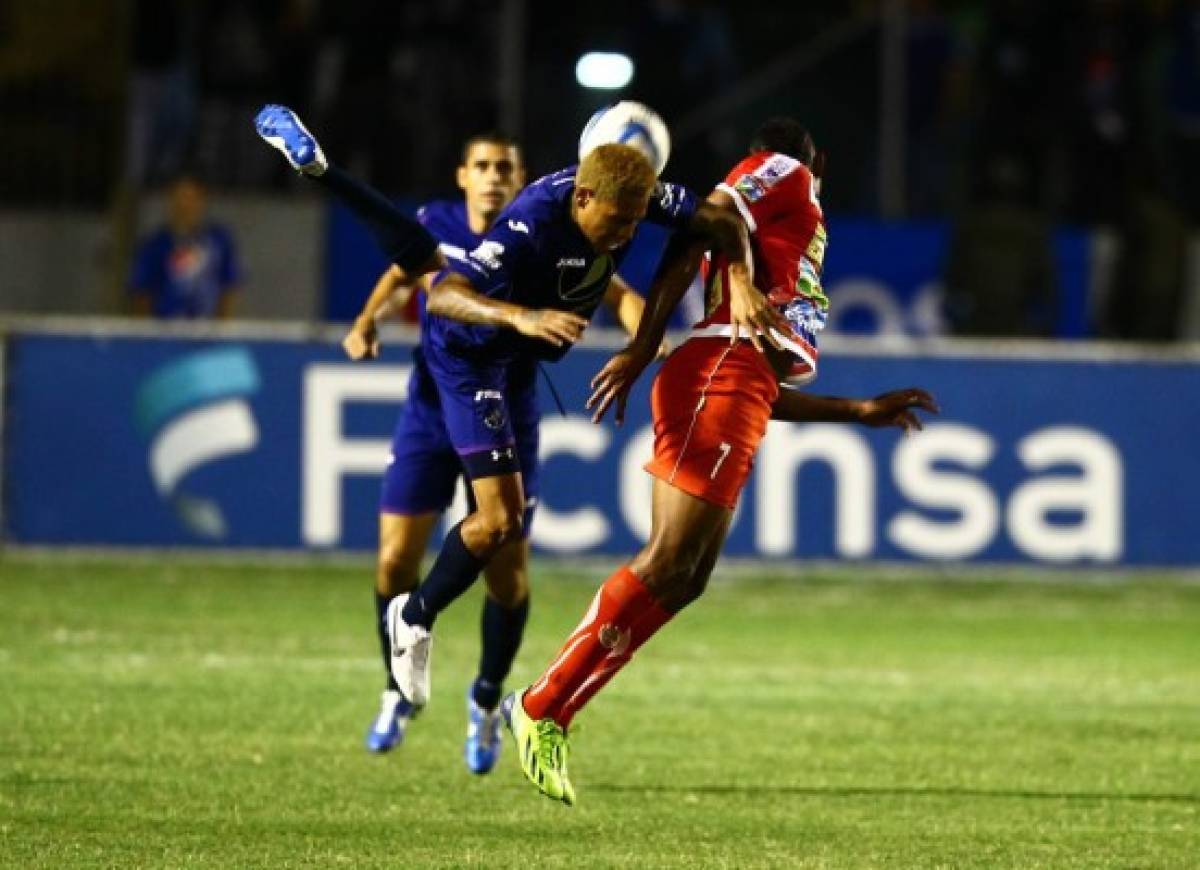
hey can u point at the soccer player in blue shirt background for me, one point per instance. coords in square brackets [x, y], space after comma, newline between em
[523, 294]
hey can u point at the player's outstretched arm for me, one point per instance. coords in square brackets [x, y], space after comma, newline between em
[629, 306]
[390, 293]
[626, 303]
[612, 383]
[453, 297]
[895, 408]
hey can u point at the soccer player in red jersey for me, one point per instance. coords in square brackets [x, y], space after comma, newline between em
[711, 403]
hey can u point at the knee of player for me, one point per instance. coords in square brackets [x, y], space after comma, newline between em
[396, 573]
[503, 525]
[672, 568]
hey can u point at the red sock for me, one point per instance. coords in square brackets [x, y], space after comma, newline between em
[645, 628]
[622, 603]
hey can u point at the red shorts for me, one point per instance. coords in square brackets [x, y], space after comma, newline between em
[711, 403]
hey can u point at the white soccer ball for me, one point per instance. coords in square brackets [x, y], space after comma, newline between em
[629, 123]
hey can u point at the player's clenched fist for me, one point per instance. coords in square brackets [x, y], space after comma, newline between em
[548, 324]
[362, 341]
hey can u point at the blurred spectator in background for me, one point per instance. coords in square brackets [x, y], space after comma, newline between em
[187, 268]
[1000, 276]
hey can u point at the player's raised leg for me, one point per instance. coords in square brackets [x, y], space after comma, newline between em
[282, 129]
[634, 603]
[401, 238]
[630, 608]
[649, 624]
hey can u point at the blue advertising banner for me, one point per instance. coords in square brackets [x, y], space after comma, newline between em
[280, 444]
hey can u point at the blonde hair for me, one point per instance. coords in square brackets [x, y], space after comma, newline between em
[616, 173]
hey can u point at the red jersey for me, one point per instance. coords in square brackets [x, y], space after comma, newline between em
[777, 197]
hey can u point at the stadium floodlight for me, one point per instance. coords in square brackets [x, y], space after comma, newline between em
[604, 70]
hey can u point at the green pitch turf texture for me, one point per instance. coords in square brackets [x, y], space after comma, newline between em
[178, 713]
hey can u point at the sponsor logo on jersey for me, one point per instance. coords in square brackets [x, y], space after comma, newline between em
[454, 252]
[591, 286]
[488, 254]
[750, 187]
[666, 194]
[753, 186]
[494, 418]
[571, 261]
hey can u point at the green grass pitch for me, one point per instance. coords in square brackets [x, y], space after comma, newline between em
[181, 713]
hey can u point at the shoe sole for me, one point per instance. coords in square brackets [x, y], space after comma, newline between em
[280, 144]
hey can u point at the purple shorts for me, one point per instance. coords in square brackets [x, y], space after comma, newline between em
[481, 422]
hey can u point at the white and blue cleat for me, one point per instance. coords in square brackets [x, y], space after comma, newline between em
[281, 128]
[387, 731]
[483, 736]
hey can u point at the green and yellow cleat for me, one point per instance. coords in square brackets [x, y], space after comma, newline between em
[542, 750]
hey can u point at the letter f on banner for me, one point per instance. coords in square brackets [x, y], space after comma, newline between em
[328, 454]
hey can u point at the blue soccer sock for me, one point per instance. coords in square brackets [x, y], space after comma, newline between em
[403, 240]
[452, 574]
[385, 647]
[502, 629]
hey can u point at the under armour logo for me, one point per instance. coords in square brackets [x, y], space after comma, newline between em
[518, 227]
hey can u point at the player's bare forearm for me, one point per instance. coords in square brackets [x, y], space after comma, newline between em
[717, 219]
[896, 408]
[680, 262]
[611, 385]
[390, 294]
[626, 303]
[751, 315]
[796, 407]
[362, 341]
[454, 298]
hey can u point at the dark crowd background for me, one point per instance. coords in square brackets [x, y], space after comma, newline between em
[1017, 115]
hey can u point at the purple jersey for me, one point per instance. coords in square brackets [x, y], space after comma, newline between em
[536, 256]
[440, 421]
[447, 222]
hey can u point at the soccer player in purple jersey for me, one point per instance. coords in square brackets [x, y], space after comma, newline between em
[523, 294]
[423, 468]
